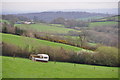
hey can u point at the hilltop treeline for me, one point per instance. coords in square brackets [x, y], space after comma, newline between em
[107, 56]
[49, 16]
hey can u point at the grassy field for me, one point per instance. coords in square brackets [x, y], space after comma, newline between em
[44, 28]
[89, 18]
[0, 67]
[114, 18]
[12, 69]
[4, 21]
[23, 41]
[57, 25]
[96, 24]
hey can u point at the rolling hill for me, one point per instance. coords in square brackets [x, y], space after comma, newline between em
[49, 16]
[12, 69]
[23, 41]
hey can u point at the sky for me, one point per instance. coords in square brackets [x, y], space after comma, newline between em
[60, 0]
[19, 6]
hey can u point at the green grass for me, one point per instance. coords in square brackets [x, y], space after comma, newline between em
[89, 18]
[76, 38]
[1, 20]
[44, 28]
[22, 41]
[114, 18]
[57, 25]
[0, 67]
[96, 24]
[24, 68]
[73, 37]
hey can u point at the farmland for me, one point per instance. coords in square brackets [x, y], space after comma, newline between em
[0, 67]
[97, 24]
[44, 28]
[89, 18]
[112, 18]
[80, 40]
[4, 21]
[23, 41]
[12, 69]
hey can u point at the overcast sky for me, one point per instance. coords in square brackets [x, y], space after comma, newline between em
[49, 5]
[60, 0]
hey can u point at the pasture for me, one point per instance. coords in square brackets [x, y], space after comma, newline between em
[1, 20]
[44, 28]
[12, 69]
[89, 18]
[22, 41]
[97, 24]
[0, 67]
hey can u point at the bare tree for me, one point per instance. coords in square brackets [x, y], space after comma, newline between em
[83, 38]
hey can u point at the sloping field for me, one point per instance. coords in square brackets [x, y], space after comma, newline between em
[24, 68]
[88, 18]
[97, 24]
[111, 18]
[0, 67]
[23, 41]
[44, 28]
[1, 20]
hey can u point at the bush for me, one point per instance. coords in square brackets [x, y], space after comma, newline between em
[85, 57]
[107, 56]
[56, 54]
[90, 47]
[14, 51]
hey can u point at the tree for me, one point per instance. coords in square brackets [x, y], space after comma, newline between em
[4, 27]
[59, 20]
[107, 56]
[83, 38]
[35, 19]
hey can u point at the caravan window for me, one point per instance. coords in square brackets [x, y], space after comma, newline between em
[41, 56]
[45, 57]
[37, 56]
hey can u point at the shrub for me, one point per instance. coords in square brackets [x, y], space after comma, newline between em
[56, 54]
[8, 49]
[85, 57]
[15, 51]
[107, 56]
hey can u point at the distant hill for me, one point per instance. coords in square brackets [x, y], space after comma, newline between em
[49, 16]
[104, 11]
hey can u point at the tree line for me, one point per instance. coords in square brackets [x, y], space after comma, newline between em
[70, 22]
